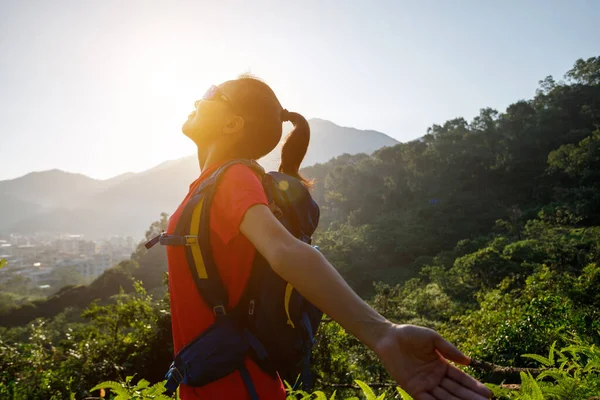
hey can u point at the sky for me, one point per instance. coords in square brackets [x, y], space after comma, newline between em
[102, 87]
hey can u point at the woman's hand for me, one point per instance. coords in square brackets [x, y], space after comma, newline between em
[417, 358]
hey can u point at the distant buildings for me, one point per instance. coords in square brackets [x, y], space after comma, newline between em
[44, 260]
[75, 244]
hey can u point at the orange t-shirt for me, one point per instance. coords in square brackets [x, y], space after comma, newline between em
[238, 190]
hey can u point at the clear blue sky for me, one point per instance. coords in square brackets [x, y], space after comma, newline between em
[102, 87]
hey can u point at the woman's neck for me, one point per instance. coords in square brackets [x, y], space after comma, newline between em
[202, 157]
[211, 155]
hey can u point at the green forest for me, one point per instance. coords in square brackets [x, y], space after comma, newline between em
[486, 230]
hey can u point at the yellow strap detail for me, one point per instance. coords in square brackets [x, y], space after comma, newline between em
[196, 253]
[191, 240]
[286, 303]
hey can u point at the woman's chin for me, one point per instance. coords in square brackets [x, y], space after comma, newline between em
[186, 128]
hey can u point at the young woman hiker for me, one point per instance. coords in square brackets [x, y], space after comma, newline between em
[242, 119]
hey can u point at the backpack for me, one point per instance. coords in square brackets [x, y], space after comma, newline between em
[272, 323]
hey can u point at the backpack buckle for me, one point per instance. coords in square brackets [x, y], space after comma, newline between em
[251, 308]
[176, 374]
[174, 378]
[219, 311]
[190, 239]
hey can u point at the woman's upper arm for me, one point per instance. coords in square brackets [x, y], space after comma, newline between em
[267, 234]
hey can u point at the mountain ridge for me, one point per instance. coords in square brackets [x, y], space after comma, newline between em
[55, 200]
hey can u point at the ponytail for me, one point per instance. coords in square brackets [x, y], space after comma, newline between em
[295, 145]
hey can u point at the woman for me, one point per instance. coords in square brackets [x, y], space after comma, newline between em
[243, 119]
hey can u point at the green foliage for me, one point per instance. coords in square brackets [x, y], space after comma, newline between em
[68, 276]
[66, 355]
[571, 373]
[140, 391]
[586, 72]
[403, 394]
[385, 211]
[530, 390]
[368, 392]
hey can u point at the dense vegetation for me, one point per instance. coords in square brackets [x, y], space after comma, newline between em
[488, 231]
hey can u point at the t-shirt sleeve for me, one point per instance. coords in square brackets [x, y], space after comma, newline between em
[238, 190]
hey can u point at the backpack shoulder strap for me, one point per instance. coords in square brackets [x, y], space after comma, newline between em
[194, 222]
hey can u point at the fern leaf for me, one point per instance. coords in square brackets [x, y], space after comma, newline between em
[156, 389]
[537, 391]
[293, 394]
[122, 393]
[381, 396]
[333, 395]
[551, 355]
[366, 390]
[112, 385]
[563, 365]
[541, 359]
[524, 382]
[142, 384]
[403, 394]
[552, 374]
[319, 395]
[530, 387]
[592, 366]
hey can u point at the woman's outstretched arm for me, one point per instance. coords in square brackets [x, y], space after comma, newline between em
[415, 357]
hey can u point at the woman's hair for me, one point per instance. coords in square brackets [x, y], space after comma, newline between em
[256, 102]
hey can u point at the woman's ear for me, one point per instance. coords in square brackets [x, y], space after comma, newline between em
[234, 125]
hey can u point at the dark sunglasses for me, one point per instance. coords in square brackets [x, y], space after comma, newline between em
[213, 94]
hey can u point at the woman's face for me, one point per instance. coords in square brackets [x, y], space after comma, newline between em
[210, 115]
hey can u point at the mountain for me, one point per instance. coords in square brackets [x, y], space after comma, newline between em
[57, 201]
[50, 189]
[329, 140]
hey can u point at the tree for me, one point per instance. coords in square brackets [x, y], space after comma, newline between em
[585, 72]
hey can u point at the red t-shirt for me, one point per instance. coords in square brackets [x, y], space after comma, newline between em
[238, 190]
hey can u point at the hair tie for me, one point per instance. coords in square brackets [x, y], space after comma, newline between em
[285, 115]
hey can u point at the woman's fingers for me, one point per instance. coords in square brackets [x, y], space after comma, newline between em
[441, 394]
[459, 390]
[447, 350]
[468, 382]
[450, 352]
[424, 396]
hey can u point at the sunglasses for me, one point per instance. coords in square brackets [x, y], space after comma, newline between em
[213, 94]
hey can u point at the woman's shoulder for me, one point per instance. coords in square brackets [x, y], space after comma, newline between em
[240, 176]
[239, 189]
